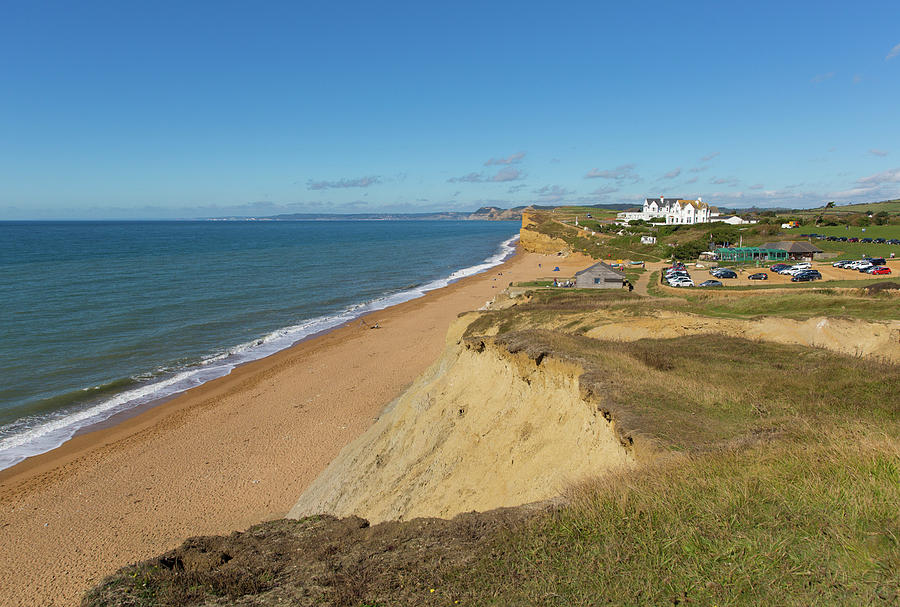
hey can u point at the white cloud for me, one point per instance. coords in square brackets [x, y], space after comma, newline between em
[620, 173]
[511, 159]
[709, 157]
[359, 182]
[503, 175]
[672, 174]
[895, 52]
[881, 153]
[889, 176]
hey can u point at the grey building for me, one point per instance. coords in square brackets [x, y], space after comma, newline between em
[796, 249]
[599, 276]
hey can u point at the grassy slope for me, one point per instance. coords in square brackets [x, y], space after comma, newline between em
[776, 481]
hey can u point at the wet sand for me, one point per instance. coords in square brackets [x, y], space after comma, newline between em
[234, 452]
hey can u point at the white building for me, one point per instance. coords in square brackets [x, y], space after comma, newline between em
[674, 210]
[733, 220]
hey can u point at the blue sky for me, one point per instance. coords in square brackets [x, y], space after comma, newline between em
[175, 109]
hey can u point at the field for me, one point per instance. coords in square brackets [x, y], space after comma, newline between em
[770, 475]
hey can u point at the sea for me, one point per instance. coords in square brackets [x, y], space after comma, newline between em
[99, 318]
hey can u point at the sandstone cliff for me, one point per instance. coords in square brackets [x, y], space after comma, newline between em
[483, 428]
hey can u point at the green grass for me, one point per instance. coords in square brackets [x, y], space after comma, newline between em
[856, 250]
[816, 301]
[891, 206]
[885, 231]
[785, 526]
[599, 247]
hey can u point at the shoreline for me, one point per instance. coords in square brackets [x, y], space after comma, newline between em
[106, 413]
[222, 456]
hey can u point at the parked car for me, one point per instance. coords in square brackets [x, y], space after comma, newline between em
[880, 270]
[779, 267]
[853, 239]
[841, 263]
[711, 283]
[879, 240]
[803, 265]
[878, 261]
[805, 276]
[759, 276]
[865, 267]
[865, 240]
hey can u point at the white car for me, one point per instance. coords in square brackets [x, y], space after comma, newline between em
[801, 266]
[681, 281]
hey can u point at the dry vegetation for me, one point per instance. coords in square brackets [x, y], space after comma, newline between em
[774, 479]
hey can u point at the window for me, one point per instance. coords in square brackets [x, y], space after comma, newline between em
[597, 281]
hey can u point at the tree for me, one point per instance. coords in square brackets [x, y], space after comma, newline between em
[830, 205]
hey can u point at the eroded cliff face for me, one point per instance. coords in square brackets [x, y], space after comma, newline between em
[535, 242]
[481, 429]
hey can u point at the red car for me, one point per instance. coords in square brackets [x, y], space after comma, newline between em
[881, 270]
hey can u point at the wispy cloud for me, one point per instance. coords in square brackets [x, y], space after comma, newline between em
[709, 157]
[881, 153]
[672, 174]
[757, 186]
[731, 182]
[623, 172]
[691, 180]
[699, 169]
[517, 188]
[889, 176]
[503, 175]
[511, 159]
[359, 182]
[552, 193]
[895, 52]
[822, 77]
[605, 190]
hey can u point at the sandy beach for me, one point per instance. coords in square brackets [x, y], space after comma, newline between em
[231, 453]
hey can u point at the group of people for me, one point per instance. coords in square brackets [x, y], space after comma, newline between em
[563, 283]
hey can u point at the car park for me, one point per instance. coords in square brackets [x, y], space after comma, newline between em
[806, 276]
[853, 239]
[865, 240]
[880, 270]
[759, 276]
[711, 283]
[865, 267]
[778, 267]
[879, 240]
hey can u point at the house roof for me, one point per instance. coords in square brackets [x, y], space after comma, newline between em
[601, 266]
[793, 246]
[694, 203]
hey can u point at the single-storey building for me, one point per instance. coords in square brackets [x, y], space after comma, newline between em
[797, 249]
[599, 276]
[750, 253]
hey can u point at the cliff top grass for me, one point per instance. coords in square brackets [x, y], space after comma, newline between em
[769, 474]
[781, 489]
[554, 308]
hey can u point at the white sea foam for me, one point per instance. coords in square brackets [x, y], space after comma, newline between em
[51, 433]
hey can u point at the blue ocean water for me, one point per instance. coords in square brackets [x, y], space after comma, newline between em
[100, 317]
